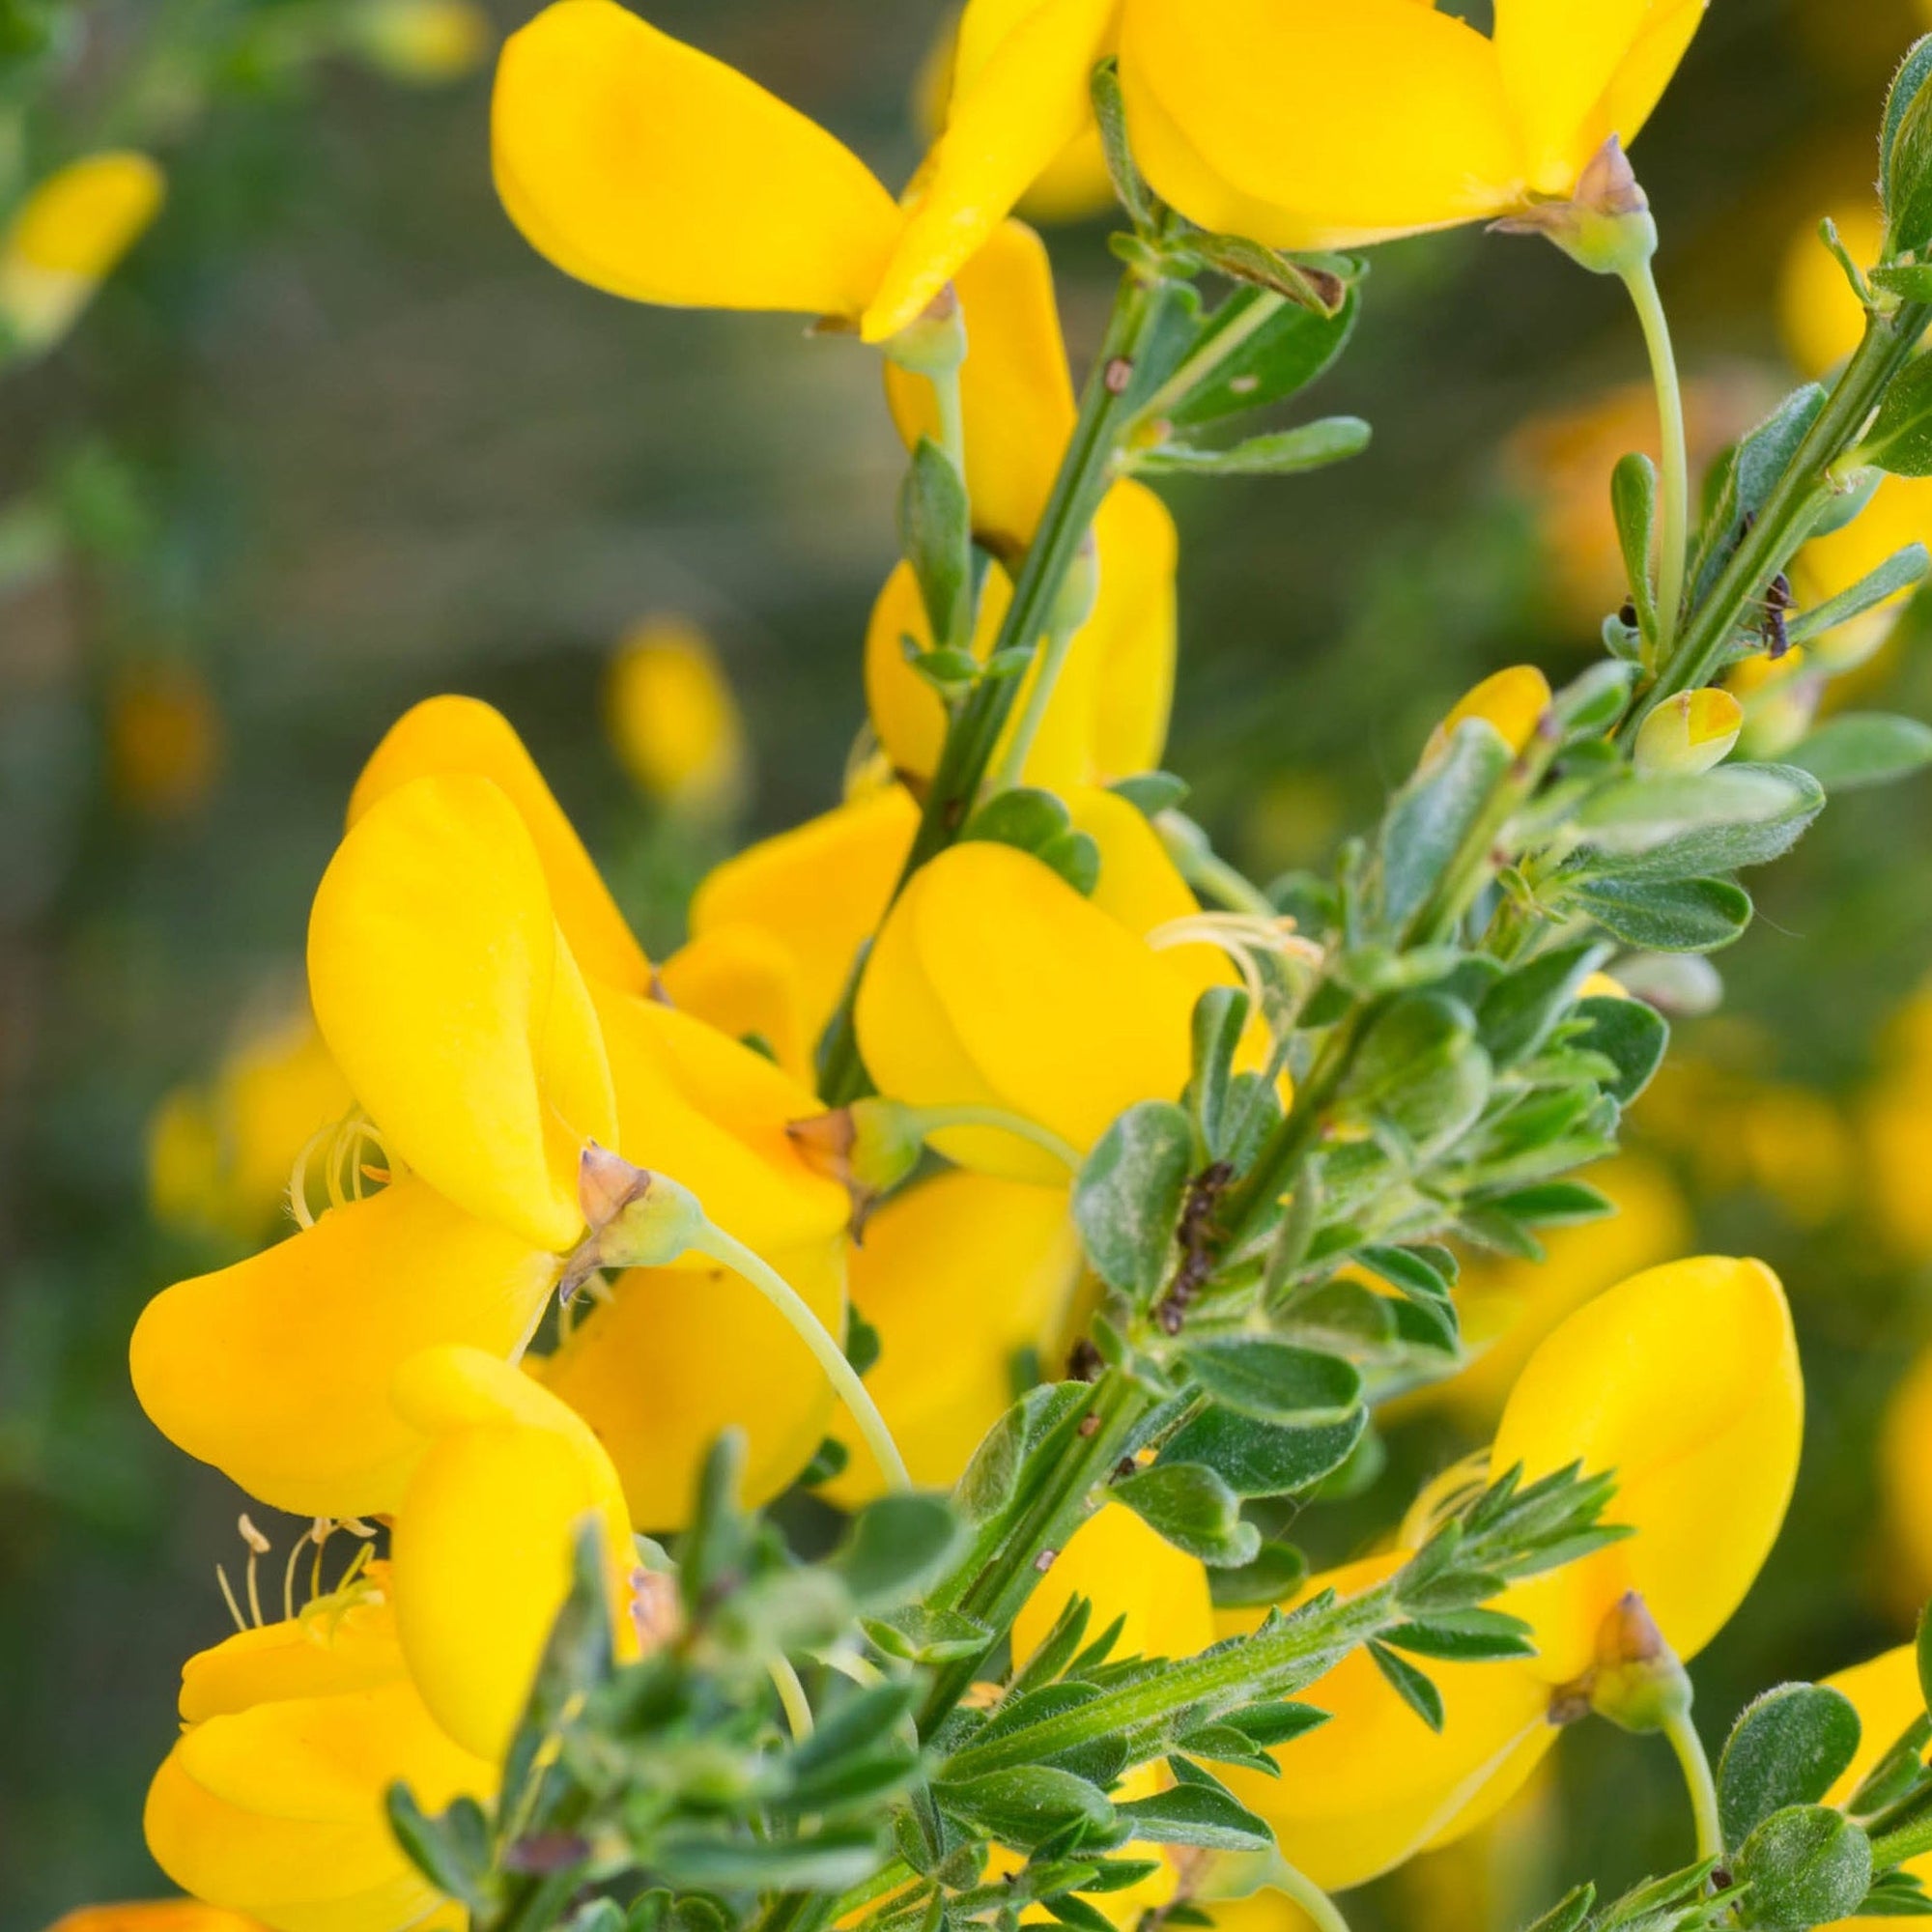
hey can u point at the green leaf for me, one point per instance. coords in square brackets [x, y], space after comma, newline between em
[1410, 1685]
[1276, 1721]
[1024, 817]
[991, 1482]
[1522, 1008]
[1276, 1381]
[1569, 1912]
[922, 1634]
[1553, 1204]
[1316, 288]
[1262, 1459]
[1745, 479]
[1288, 452]
[936, 534]
[1220, 1017]
[1128, 1196]
[1422, 1070]
[1431, 817]
[1668, 915]
[1276, 1573]
[1635, 815]
[1789, 1746]
[1900, 441]
[1896, 1894]
[1196, 1814]
[1924, 1656]
[453, 1851]
[829, 1860]
[1905, 154]
[1805, 1866]
[1634, 505]
[1111, 115]
[1899, 572]
[1589, 704]
[1416, 1275]
[1150, 793]
[1630, 1033]
[1194, 1509]
[1025, 1807]
[1865, 747]
[1283, 348]
[895, 1546]
[1464, 1636]
[1076, 857]
[1910, 281]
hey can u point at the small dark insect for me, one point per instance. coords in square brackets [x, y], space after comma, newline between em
[1626, 615]
[1778, 602]
[1083, 1362]
[1195, 1237]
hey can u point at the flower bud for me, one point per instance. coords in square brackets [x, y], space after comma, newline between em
[934, 344]
[1688, 733]
[867, 1148]
[674, 720]
[636, 1218]
[1606, 225]
[422, 42]
[1637, 1682]
[1515, 702]
[1079, 591]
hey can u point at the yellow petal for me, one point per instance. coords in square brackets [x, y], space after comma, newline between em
[819, 890]
[1513, 700]
[740, 980]
[1900, 513]
[155, 1914]
[646, 168]
[483, 1551]
[455, 1010]
[674, 1356]
[1684, 1382]
[1400, 121]
[670, 710]
[907, 713]
[1577, 75]
[1819, 316]
[444, 737]
[278, 1811]
[1013, 112]
[277, 1369]
[272, 1801]
[1125, 1570]
[1016, 395]
[1108, 716]
[959, 1274]
[994, 982]
[70, 231]
[1140, 884]
[712, 1114]
[1373, 1786]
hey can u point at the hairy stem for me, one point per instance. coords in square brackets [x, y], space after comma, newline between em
[1674, 530]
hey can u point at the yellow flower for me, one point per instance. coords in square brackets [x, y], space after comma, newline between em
[1515, 701]
[219, 1154]
[1900, 513]
[423, 42]
[66, 240]
[1903, 1479]
[673, 719]
[815, 893]
[1885, 1692]
[443, 971]
[959, 1274]
[1109, 710]
[164, 739]
[272, 1802]
[1406, 118]
[1683, 1381]
[155, 1914]
[993, 983]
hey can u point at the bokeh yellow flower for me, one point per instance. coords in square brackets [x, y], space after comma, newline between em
[166, 739]
[425, 43]
[65, 238]
[155, 1914]
[669, 708]
[1895, 1120]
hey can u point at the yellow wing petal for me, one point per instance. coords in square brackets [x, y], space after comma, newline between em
[1011, 116]
[1684, 1382]
[906, 711]
[1125, 1570]
[646, 168]
[455, 1010]
[740, 981]
[483, 1551]
[442, 737]
[1400, 120]
[277, 1369]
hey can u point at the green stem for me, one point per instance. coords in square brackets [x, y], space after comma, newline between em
[952, 420]
[1674, 532]
[1681, 1728]
[1209, 872]
[1309, 1895]
[976, 728]
[1262, 311]
[930, 1120]
[1047, 667]
[714, 1241]
[1788, 512]
[792, 1694]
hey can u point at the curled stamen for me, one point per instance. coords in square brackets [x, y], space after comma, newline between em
[259, 1546]
[1257, 945]
[1442, 1496]
[228, 1597]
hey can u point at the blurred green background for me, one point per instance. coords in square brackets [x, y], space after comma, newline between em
[333, 440]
